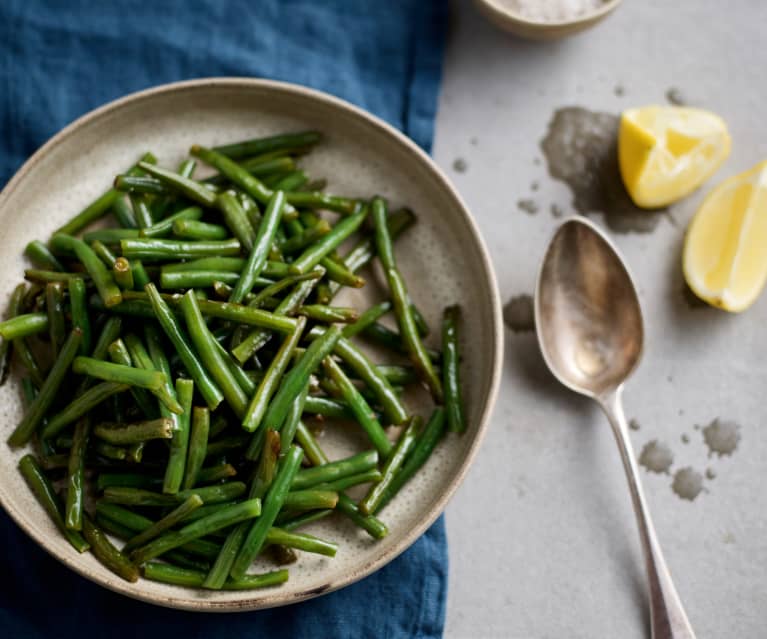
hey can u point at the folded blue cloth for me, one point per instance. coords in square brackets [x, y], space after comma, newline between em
[60, 59]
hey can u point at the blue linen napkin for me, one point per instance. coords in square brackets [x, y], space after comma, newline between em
[60, 59]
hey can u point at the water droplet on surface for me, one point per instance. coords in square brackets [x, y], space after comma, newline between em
[685, 438]
[581, 150]
[556, 210]
[518, 314]
[656, 457]
[675, 97]
[534, 185]
[688, 483]
[634, 424]
[619, 90]
[528, 206]
[721, 437]
[460, 165]
[710, 473]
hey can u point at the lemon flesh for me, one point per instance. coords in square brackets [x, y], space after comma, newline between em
[725, 249]
[665, 153]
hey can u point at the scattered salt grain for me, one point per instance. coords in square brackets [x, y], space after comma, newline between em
[553, 10]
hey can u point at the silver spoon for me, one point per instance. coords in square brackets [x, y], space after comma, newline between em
[589, 326]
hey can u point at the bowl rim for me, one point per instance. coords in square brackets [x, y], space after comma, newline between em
[272, 599]
[503, 13]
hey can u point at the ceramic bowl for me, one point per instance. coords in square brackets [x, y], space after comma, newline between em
[499, 12]
[443, 258]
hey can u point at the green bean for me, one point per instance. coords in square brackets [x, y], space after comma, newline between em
[79, 311]
[400, 299]
[198, 446]
[214, 362]
[139, 184]
[179, 445]
[168, 574]
[267, 464]
[138, 497]
[43, 277]
[226, 444]
[288, 431]
[20, 346]
[399, 454]
[49, 500]
[122, 434]
[222, 519]
[362, 411]
[109, 236]
[141, 211]
[309, 444]
[103, 253]
[339, 274]
[393, 341]
[310, 499]
[329, 242]
[24, 325]
[100, 206]
[291, 181]
[118, 353]
[427, 440]
[293, 523]
[126, 480]
[39, 407]
[186, 186]
[81, 405]
[196, 279]
[273, 502]
[197, 230]
[41, 255]
[285, 142]
[268, 163]
[189, 505]
[215, 473]
[282, 284]
[236, 219]
[298, 376]
[328, 314]
[399, 375]
[420, 320]
[205, 385]
[305, 238]
[450, 370]
[327, 407]
[373, 314]
[140, 275]
[158, 249]
[162, 202]
[123, 212]
[338, 485]
[331, 471]
[164, 227]
[76, 476]
[107, 554]
[260, 402]
[301, 541]
[318, 200]
[123, 273]
[263, 241]
[102, 278]
[227, 264]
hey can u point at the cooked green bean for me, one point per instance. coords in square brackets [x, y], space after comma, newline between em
[39, 407]
[197, 230]
[285, 142]
[215, 473]
[123, 273]
[186, 186]
[331, 471]
[122, 434]
[291, 181]
[102, 278]
[236, 219]
[43, 277]
[76, 476]
[310, 499]
[301, 541]
[450, 370]
[81, 405]
[338, 485]
[212, 359]
[373, 314]
[49, 500]
[288, 431]
[394, 463]
[260, 401]
[41, 255]
[424, 446]
[328, 314]
[109, 236]
[107, 554]
[100, 206]
[222, 519]
[179, 445]
[150, 379]
[166, 573]
[327, 243]
[273, 502]
[24, 325]
[158, 249]
[305, 238]
[392, 340]
[123, 213]
[327, 407]
[139, 184]
[205, 385]
[282, 284]
[141, 211]
[118, 353]
[139, 497]
[164, 227]
[79, 310]
[294, 522]
[127, 480]
[198, 446]
[189, 505]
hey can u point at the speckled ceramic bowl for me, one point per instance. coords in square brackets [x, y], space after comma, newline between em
[501, 13]
[442, 257]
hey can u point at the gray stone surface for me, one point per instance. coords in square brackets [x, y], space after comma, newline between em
[542, 538]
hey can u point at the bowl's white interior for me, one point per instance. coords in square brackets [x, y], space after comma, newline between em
[442, 258]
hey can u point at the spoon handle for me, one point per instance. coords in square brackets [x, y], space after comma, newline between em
[667, 617]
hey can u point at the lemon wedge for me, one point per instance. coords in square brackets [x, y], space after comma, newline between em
[725, 250]
[665, 153]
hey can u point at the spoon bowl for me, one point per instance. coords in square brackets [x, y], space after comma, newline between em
[587, 311]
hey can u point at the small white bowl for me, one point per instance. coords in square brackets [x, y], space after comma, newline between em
[497, 12]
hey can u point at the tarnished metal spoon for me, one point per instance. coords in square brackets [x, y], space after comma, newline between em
[589, 326]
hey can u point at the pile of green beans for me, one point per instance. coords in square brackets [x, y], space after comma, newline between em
[174, 359]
